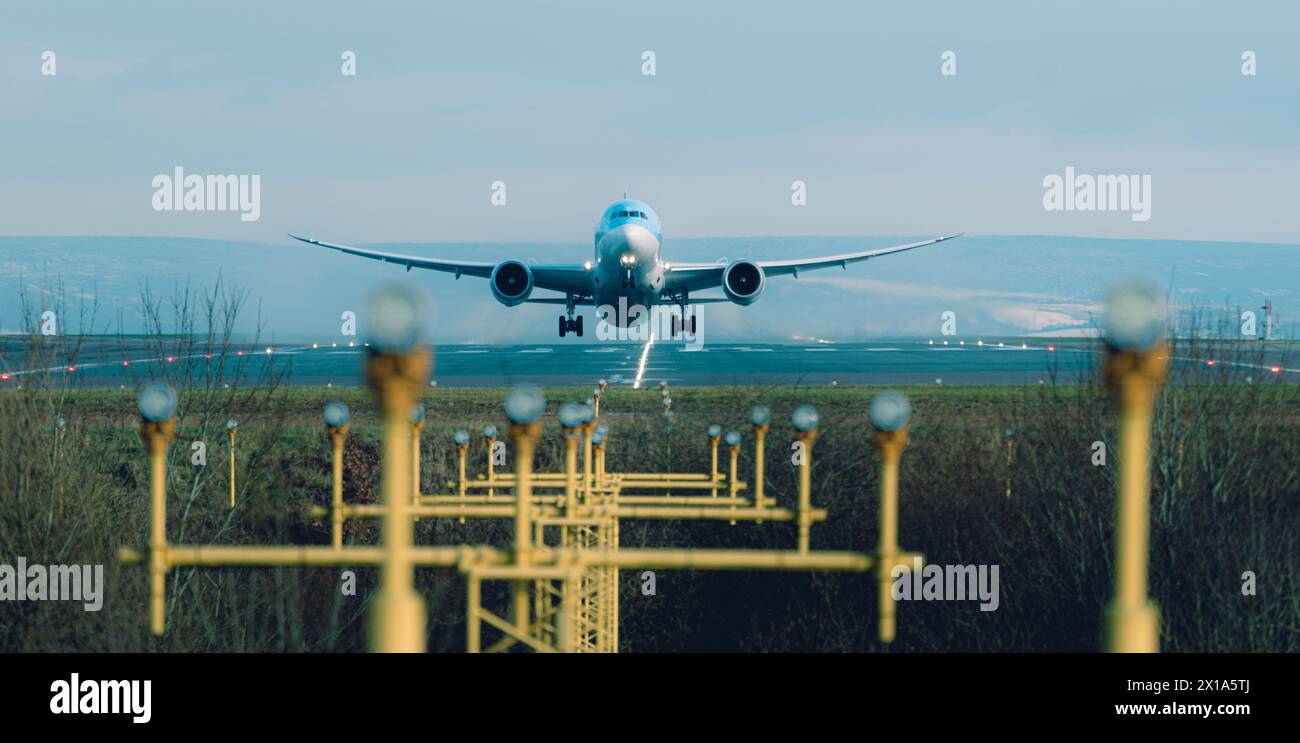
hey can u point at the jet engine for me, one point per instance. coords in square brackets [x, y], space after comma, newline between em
[511, 282]
[743, 281]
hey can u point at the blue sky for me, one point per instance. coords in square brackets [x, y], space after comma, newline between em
[549, 98]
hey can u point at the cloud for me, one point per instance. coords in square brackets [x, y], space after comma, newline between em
[1034, 319]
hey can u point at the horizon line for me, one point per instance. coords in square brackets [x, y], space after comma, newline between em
[676, 238]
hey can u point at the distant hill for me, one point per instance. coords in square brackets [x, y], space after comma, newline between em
[996, 285]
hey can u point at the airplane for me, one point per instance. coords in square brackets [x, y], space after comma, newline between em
[628, 265]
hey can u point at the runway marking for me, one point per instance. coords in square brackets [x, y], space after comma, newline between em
[451, 352]
[645, 354]
[810, 350]
[884, 349]
[536, 350]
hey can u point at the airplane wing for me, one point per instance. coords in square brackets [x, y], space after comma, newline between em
[562, 278]
[693, 276]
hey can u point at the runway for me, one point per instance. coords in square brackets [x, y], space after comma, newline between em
[731, 364]
[114, 362]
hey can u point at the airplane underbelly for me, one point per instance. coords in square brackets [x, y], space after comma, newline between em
[626, 303]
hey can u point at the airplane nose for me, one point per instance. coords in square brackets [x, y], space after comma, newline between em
[630, 240]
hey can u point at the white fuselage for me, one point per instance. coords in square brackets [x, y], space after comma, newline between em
[628, 267]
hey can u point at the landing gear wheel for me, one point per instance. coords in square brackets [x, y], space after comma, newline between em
[693, 331]
[570, 326]
[677, 327]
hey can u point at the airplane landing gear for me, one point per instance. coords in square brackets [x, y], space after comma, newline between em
[678, 325]
[570, 325]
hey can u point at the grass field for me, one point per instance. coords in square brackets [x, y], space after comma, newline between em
[1226, 497]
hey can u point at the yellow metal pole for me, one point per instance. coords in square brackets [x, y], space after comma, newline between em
[890, 445]
[734, 453]
[221, 555]
[713, 463]
[1132, 620]
[614, 580]
[232, 433]
[473, 630]
[416, 428]
[157, 436]
[566, 631]
[570, 473]
[491, 465]
[524, 436]
[337, 434]
[462, 451]
[586, 459]
[889, 413]
[554, 514]
[760, 433]
[398, 615]
[540, 595]
[607, 588]
[805, 489]
[706, 559]
[569, 589]
[501, 564]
